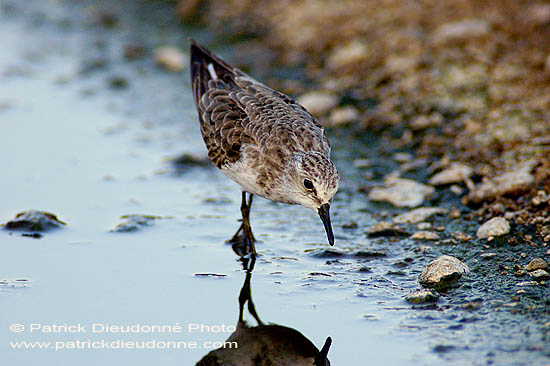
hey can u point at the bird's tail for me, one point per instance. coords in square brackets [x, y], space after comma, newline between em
[205, 66]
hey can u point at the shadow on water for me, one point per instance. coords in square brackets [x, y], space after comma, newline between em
[264, 344]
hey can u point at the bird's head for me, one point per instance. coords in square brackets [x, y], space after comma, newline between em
[312, 181]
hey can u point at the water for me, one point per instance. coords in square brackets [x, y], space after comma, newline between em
[90, 153]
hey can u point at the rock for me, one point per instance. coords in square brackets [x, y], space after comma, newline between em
[134, 51]
[442, 271]
[34, 220]
[118, 83]
[515, 181]
[462, 30]
[348, 55]
[135, 222]
[344, 115]
[385, 228]
[170, 58]
[402, 157]
[425, 235]
[422, 296]
[402, 192]
[455, 173]
[527, 283]
[538, 14]
[488, 255]
[318, 102]
[423, 225]
[189, 160]
[539, 275]
[401, 64]
[495, 227]
[418, 215]
[537, 263]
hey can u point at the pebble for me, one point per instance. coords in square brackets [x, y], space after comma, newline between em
[348, 55]
[402, 192]
[517, 180]
[170, 58]
[539, 274]
[422, 296]
[456, 173]
[495, 227]
[418, 215]
[385, 228]
[537, 263]
[527, 283]
[488, 255]
[362, 163]
[342, 116]
[538, 14]
[33, 220]
[318, 102]
[425, 235]
[423, 225]
[463, 30]
[443, 270]
[462, 236]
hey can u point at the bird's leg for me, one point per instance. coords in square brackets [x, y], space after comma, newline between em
[244, 234]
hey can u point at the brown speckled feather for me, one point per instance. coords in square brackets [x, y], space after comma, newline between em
[237, 112]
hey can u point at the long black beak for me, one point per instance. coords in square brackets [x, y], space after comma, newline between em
[324, 213]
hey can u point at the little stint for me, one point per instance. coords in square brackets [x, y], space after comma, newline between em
[263, 140]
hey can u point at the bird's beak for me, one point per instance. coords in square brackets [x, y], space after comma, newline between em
[324, 213]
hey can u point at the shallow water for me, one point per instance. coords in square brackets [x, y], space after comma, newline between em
[90, 153]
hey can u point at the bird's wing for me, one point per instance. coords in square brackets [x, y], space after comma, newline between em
[234, 109]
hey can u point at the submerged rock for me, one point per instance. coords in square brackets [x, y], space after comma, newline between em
[442, 271]
[537, 263]
[402, 192]
[418, 215]
[495, 227]
[34, 220]
[422, 296]
[135, 222]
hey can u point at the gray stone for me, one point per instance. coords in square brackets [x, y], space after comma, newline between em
[402, 192]
[318, 102]
[425, 235]
[537, 263]
[418, 215]
[456, 173]
[495, 227]
[539, 274]
[462, 30]
[517, 180]
[422, 296]
[443, 270]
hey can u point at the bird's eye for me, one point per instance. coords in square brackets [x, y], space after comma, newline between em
[308, 184]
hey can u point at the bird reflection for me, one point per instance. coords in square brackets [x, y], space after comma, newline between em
[265, 344]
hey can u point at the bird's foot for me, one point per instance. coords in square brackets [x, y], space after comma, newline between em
[243, 241]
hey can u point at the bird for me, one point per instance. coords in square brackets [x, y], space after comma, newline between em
[262, 139]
